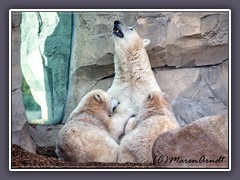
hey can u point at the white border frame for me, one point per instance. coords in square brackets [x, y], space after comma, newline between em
[116, 10]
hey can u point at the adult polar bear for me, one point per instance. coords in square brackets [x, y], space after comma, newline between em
[134, 78]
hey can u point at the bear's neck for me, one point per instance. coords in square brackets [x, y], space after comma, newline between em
[132, 67]
[154, 111]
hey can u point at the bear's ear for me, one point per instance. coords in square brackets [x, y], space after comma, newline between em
[166, 96]
[98, 98]
[146, 42]
[150, 96]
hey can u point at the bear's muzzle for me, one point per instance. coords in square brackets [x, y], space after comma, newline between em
[117, 29]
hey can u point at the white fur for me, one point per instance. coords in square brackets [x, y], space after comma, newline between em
[155, 118]
[86, 137]
[134, 78]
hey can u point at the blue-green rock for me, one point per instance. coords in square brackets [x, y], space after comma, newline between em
[45, 56]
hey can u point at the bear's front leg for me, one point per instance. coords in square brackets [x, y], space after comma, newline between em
[131, 124]
[118, 122]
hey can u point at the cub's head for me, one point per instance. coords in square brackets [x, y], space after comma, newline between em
[99, 102]
[156, 104]
[157, 99]
[127, 38]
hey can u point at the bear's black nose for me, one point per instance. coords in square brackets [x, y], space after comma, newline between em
[117, 22]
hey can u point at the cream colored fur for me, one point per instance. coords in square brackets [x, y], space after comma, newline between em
[86, 137]
[155, 118]
[134, 78]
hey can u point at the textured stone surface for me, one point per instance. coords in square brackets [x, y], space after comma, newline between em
[45, 135]
[92, 54]
[174, 81]
[45, 55]
[188, 39]
[16, 19]
[178, 40]
[19, 127]
[196, 92]
[205, 139]
[16, 68]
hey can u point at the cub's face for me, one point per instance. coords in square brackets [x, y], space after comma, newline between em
[99, 101]
[157, 99]
[127, 38]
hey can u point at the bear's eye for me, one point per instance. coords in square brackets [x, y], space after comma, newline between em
[131, 29]
[150, 96]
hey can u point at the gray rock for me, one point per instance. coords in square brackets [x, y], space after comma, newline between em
[194, 145]
[175, 81]
[185, 39]
[196, 92]
[20, 133]
[16, 19]
[45, 56]
[16, 67]
[207, 96]
[45, 135]
[178, 40]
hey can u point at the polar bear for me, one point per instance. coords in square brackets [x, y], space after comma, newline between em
[134, 78]
[86, 135]
[154, 118]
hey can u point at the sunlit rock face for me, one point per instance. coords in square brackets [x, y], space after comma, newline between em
[45, 58]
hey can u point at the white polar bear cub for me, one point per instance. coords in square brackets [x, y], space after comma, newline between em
[155, 118]
[134, 78]
[85, 137]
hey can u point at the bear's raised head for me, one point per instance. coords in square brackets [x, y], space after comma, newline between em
[98, 102]
[127, 38]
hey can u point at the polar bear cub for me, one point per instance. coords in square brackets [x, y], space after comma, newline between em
[155, 117]
[85, 137]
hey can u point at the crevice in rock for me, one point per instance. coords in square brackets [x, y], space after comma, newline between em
[13, 90]
[211, 65]
[193, 36]
[39, 23]
[92, 72]
[167, 67]
[100, 79]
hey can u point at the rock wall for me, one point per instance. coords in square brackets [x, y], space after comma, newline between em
[188, 53]
[196, 92]
[45, 135]
[20, 127]
[45, 56]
